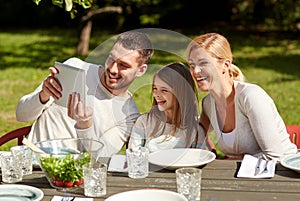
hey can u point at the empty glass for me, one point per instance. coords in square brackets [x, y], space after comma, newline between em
[94, 179]
[138, 165]
[10, 168]
[24, 155]
[189, 183]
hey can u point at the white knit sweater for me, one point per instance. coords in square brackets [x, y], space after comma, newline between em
[259, 127]
[113, 116]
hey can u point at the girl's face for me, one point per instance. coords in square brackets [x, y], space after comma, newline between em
[163, 95]
[204, 68]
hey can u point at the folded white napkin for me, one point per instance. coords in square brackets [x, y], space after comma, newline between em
[118, 163]
[60, 198]
[249, 164]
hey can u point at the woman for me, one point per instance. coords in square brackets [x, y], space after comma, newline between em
[172, 121]
[242, 115]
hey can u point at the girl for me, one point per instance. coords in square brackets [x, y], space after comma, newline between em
[173, 120]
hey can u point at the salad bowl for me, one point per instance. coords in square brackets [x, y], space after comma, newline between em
[62, 160]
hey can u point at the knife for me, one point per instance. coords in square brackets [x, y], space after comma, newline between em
[257, 167]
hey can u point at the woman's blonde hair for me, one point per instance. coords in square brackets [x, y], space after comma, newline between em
[218, 47]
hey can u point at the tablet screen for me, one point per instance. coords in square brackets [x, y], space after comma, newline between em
[72, 79]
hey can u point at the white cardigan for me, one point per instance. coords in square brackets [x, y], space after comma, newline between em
[259, 127]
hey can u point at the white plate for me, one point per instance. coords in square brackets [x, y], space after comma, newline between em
[292, 162]
[18, 192]
[182, 157]
[147, 195]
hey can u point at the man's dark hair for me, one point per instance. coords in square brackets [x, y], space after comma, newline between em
[134, 40]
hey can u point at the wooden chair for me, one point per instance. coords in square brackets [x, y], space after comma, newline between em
[19, 134]
[294, 131]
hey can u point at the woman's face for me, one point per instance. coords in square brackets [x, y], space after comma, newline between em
[204, 68]
[163, 95]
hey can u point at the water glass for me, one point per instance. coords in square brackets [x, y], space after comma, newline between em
[10, 168]
[24, 155]
[189, 183]
[94, 176]
[138, 164]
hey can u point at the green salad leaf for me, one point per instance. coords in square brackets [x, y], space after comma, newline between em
[65, 169]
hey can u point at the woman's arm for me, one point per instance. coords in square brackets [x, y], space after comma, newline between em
[265, 121]
[204, 120]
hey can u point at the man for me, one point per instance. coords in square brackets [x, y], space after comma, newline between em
[112, 110]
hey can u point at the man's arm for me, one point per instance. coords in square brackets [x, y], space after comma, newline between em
[31, 106]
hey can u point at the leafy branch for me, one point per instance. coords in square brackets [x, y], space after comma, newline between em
[70, 5]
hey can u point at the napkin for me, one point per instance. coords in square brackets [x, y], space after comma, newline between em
[249, 164]
[60, 198]
[118, 163]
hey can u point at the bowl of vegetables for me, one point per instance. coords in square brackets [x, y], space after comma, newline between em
[63, 159]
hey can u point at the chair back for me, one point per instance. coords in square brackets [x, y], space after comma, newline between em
[19, 134]
[294, 131]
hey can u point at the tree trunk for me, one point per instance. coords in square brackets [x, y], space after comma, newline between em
[84, 39]
[86, 28]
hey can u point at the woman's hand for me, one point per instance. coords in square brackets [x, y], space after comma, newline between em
[77, 112]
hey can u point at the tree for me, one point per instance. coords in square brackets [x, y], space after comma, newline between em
[70, 6]
[86, 27]
[91, 9]
[134, 11]
[279, 14]
[138, 11]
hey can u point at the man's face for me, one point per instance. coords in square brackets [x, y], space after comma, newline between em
[121, 68]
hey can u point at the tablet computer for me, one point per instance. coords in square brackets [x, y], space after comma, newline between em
[72, 79]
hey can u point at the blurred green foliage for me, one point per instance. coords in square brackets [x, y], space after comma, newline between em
[269, 59]
[244, 14]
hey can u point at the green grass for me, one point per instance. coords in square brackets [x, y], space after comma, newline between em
[270, 61]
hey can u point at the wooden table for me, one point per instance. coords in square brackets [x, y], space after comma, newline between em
[219, 183]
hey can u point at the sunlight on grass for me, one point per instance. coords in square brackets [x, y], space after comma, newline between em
[272, 63]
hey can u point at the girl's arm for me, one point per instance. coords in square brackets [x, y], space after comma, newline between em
[138, 134]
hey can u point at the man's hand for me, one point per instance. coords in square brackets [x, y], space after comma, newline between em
[51, 87]
[76, 112]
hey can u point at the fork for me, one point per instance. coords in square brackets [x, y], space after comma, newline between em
[66, 197]
[265, 168]
[257, 167]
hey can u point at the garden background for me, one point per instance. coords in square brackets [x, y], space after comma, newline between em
[265, 44]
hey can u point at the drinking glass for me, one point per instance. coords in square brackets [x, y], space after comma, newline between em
[10, 168]
[94, 176]
[189, 183]
[138, 164]
[24, 156]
